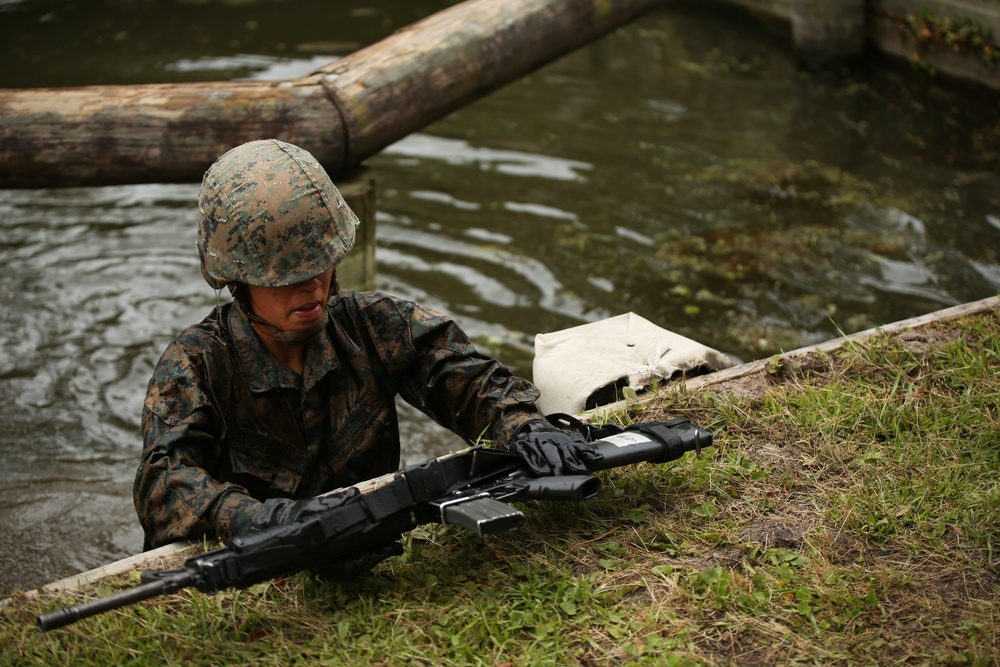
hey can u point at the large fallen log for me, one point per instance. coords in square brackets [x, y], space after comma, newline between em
[342, 113]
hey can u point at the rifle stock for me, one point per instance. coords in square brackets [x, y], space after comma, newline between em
[470, 489]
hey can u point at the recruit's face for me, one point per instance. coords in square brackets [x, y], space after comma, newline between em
[293, 307]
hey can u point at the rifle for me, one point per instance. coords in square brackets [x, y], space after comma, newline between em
[469, 489]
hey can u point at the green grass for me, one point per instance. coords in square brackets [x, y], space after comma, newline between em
[849, 513]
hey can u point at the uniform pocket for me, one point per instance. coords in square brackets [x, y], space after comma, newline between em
[355, 435]
[273, 463]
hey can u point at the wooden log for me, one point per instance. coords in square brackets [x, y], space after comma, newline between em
[343, 113]
[99, 135]
[456, 56]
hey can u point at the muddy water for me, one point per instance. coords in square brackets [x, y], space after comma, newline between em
[680, 168]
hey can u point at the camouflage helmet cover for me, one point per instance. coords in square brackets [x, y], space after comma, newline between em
[270, 216]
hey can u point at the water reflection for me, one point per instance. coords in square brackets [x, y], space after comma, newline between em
[95, 281]
[458, 152]
[679, 168]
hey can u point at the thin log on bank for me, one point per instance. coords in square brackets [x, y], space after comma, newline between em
[342, 113]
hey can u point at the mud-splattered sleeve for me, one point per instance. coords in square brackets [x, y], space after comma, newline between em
[446, 377]
[175, 495]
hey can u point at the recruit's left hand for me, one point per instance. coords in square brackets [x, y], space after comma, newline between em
[546, 450]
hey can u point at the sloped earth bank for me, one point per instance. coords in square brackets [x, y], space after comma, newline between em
[871, 460]
[848, 513]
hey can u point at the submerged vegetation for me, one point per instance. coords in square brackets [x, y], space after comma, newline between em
[755, 248]
[849, 513]
[959, 34]
[753, 273]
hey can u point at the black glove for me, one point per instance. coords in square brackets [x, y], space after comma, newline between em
[281, 511]
[546, 450]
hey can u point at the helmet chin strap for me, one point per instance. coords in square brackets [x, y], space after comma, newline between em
[297, 337]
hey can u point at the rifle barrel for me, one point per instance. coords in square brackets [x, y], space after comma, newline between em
[63, 617]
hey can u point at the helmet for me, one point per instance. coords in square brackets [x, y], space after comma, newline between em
[269, 216]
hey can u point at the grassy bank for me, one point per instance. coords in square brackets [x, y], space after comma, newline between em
[848, 514]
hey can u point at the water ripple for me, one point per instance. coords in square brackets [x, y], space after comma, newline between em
[509, 162]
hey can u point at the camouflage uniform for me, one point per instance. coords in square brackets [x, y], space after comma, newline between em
[225, 425]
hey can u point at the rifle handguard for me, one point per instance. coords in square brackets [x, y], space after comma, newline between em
[656, 442]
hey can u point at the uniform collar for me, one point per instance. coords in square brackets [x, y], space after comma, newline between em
[263, 371]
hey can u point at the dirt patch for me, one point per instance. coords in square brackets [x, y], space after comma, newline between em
[776, 532]
[843, 547]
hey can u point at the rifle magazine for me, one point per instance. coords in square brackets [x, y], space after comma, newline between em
[481, 515]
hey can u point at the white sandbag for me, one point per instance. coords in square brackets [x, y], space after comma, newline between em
[586, 366]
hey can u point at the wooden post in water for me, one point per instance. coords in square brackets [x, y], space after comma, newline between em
[342, 113]
[357, 271]
[827, 32]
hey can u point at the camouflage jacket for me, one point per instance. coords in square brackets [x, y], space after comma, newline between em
[225, 425]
